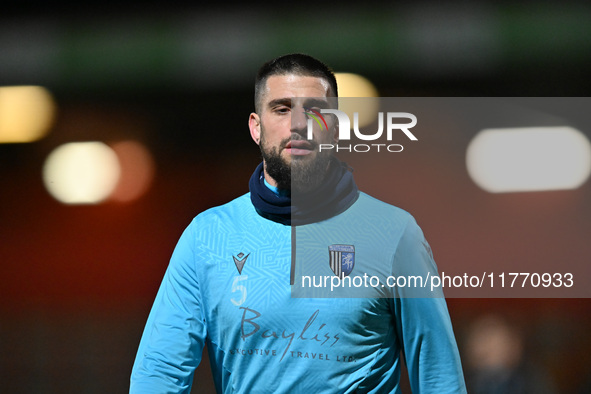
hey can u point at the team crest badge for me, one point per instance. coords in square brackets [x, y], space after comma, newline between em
[342, 259]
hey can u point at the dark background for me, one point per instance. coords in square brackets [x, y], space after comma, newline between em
[77, 282]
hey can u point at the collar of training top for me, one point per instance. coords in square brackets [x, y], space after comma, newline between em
[335, 195]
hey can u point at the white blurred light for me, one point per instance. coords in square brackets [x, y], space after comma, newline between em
[26, 113]
[529, 159]
[81, 172]
[354, 85]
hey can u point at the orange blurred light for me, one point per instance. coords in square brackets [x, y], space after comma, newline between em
[26, 113]
[137, 170]
[354, 85]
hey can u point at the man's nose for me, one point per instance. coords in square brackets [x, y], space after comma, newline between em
[299, 121]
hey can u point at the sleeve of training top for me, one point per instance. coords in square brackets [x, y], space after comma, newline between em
[174, 336]
[423, 323]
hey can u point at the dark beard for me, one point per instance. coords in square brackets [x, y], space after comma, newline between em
[301, 176]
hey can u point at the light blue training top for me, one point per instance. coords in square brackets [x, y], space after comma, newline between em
[234, 284]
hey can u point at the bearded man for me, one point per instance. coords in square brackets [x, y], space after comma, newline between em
[229, 285]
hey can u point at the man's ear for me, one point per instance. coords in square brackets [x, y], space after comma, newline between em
[254, 124]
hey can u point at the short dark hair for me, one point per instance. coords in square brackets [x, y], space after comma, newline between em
[294, 63]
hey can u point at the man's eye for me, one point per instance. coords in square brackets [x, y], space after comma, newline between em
[314, 110]
[282, 110]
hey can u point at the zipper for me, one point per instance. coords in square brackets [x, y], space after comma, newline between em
[293, 256]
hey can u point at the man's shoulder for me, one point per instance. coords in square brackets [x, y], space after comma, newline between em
[231, 210]
[387, 217]
[374, 206]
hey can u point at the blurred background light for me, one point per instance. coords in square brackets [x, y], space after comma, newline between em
[529, 159]
[26, 113]
[81, 172]
[354, 85]
[137, 170]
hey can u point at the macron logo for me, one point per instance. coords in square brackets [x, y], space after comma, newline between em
[240, 263]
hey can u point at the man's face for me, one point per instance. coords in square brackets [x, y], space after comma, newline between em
[290, 159]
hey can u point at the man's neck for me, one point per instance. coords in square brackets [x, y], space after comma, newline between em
[274, 189]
